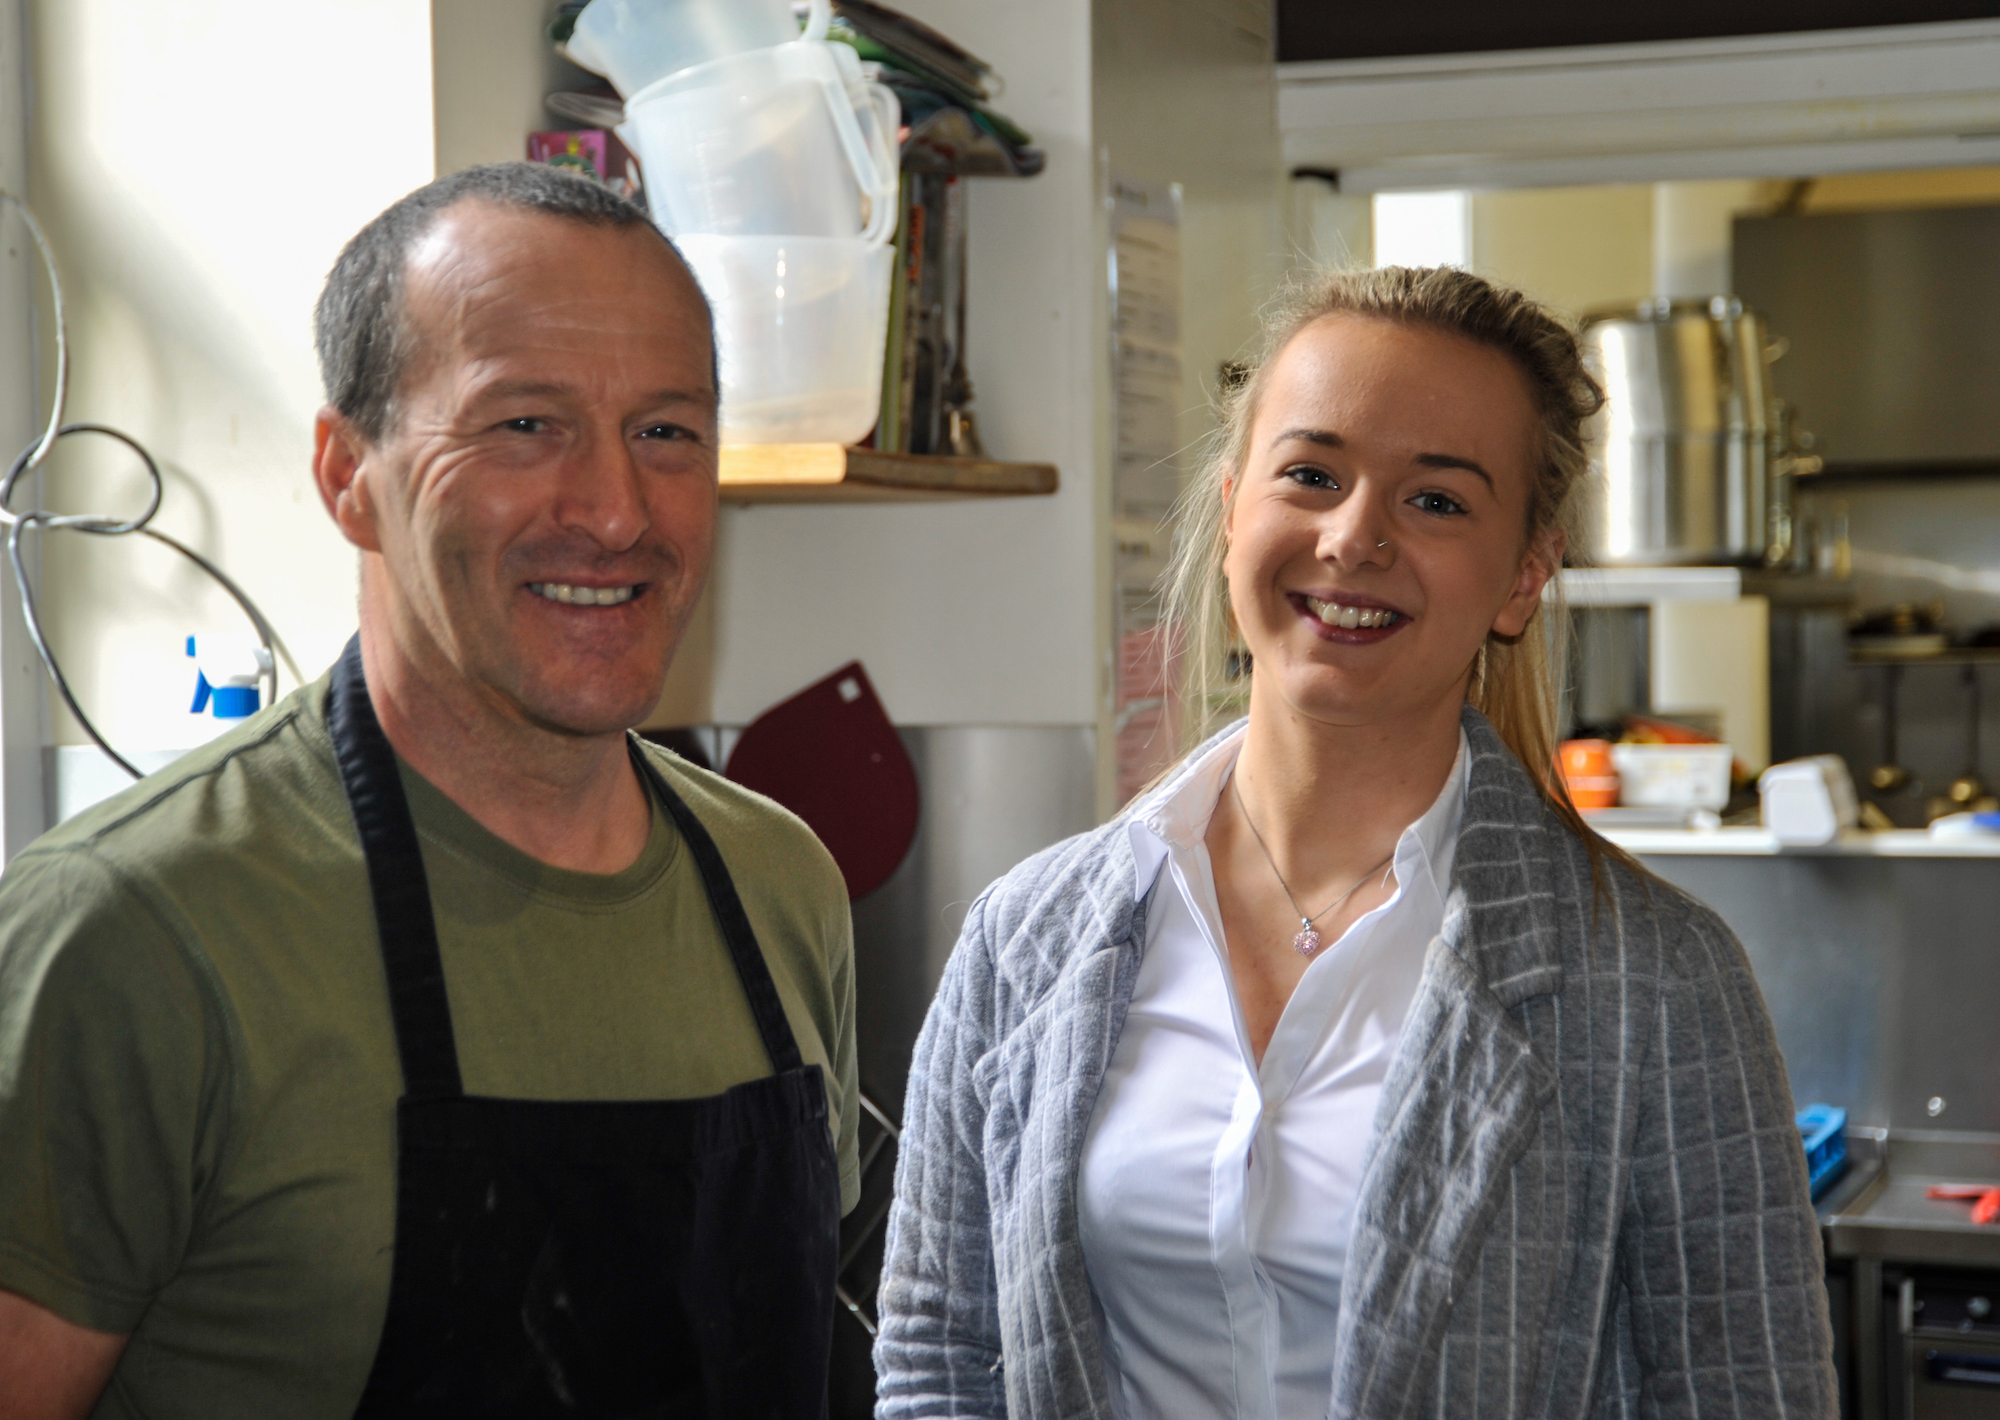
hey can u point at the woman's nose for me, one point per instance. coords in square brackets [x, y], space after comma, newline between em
[1356, 533]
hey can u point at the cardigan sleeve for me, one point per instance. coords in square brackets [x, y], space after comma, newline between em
[1719, 1249]
[938, 1350]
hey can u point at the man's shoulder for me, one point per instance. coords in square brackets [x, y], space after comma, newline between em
[768, 848]
[269, 788]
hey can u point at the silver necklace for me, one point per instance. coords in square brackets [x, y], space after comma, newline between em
[1308, 939]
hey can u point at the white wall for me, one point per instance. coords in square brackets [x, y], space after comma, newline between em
[972, 612]
[1186, 92]
[198, 166]
[491, 65]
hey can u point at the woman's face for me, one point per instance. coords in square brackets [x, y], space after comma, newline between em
[1379, 530]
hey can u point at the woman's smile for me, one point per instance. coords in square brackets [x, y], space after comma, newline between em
[1351, 620]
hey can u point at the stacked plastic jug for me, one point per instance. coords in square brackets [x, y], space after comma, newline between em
[771, 160]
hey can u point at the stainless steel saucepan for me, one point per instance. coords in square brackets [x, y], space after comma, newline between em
[1692, 455]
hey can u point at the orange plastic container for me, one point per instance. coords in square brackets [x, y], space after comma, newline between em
[1589, 774]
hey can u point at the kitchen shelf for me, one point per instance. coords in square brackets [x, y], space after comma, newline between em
[835, 473]
[1953, 656]
[1641, 586]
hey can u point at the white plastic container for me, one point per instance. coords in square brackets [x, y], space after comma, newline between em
[1672, 776]
[634, 43]
[786, 141]
[1808, 801]
[799, 328]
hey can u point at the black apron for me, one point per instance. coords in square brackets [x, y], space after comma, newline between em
[589, 1258]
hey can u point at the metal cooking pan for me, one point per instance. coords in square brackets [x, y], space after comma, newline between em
[1691, 455]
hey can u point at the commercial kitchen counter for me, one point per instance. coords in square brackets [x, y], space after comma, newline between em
[1881, 1206]
[1876, 956]
[1758, 842]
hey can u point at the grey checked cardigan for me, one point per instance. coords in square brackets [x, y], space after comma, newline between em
[1585, 1194]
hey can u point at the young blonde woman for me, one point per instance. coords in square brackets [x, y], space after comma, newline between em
[1346, 1073]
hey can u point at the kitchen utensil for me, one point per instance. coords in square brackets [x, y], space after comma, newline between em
[830, 755]
[791, 140]
[634, 43]
[799, 328]
[1968, 789]
[1985, 1198]
[1806, 802]
[1889, 776]
[1690, 457]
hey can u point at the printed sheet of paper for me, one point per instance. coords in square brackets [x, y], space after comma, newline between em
[1146, 469]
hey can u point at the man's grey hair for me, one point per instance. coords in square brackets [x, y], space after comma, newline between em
[359, 325]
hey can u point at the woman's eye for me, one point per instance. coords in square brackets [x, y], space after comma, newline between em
[1306, 476]
[1441, 503]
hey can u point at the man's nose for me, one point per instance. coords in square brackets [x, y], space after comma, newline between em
[602, 494]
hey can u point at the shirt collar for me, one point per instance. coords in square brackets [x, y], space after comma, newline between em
[1176, 816]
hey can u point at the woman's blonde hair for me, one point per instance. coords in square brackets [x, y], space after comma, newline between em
[1515, 679]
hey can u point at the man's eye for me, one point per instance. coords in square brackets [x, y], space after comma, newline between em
[667, 431]
[1440, 503]
[1306, 476]
[528, 424]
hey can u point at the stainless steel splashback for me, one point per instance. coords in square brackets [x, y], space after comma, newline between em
[992, 795]
[1880, 973]
[1894, 323]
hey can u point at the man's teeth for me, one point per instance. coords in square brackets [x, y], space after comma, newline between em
[1350, 617]
[582, 596]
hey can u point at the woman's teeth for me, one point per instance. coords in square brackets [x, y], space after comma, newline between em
[582, 596]
[1350, 617]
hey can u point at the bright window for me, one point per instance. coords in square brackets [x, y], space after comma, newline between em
[1423, 228]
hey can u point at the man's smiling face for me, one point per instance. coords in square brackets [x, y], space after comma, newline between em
[543, 499]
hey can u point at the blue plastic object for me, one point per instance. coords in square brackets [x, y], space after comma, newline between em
[234, 702]
[1823, 1130]
[1991, 821]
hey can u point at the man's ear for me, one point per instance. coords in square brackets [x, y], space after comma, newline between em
[1542, 561]
[339, 459]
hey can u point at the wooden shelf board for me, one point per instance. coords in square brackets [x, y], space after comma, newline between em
[1950, 656]
[834, 473]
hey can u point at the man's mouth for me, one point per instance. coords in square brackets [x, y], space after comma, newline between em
[1350, 618]
[570, 594]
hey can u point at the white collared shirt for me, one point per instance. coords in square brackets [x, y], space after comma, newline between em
[1216, 1198]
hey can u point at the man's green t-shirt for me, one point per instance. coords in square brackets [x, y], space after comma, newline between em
[198, 1071]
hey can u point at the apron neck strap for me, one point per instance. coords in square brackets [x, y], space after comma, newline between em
[730, 919]
[417, 1000]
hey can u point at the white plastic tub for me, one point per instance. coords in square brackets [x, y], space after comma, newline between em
[799, 327]
[1672, 776]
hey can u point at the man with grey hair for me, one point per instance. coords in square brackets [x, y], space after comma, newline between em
[430, 1045]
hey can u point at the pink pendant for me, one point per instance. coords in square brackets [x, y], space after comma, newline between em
[1307, 942]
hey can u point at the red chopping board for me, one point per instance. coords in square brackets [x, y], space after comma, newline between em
[830, 755]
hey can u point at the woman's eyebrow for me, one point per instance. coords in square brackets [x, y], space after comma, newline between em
[1454, 461]
[1325, 437]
